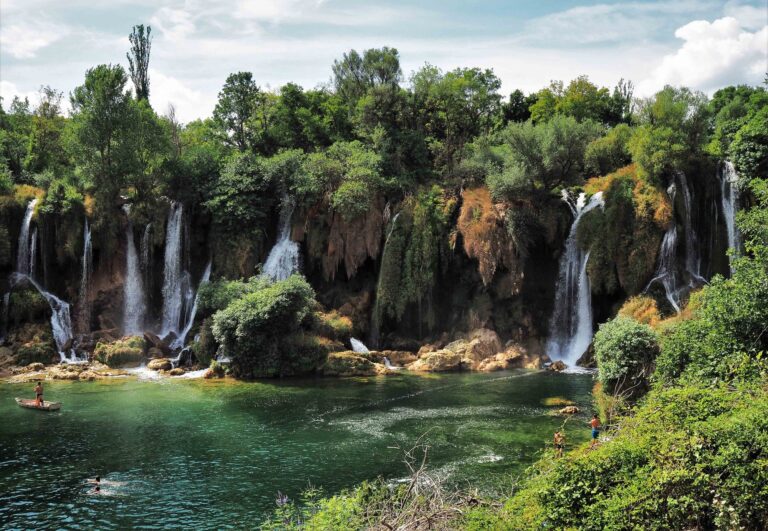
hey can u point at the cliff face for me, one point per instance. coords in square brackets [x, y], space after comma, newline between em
[439, 263]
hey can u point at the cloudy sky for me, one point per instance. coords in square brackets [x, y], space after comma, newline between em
[703, 44]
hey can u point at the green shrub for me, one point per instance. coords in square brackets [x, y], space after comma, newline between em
[625, 350]
[218, 294]
[6, 180]
[125, 351]
[332, 325]
[251, 329]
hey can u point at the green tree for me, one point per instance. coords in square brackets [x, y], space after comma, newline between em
[625, 351]
[46, 149]
[355, 74]
[103, 121]
[138, 59]
[15, 128]
[610, 152]
[237, 110]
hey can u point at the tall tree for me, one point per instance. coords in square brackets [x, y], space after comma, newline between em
[138, 59]
[236, 110]
[354, 74]
[45, 148]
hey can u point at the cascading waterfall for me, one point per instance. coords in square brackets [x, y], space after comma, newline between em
[376, 314]
[729, 198]
[172, 273]
[571, 323]
[666, 272]
[84, 316]
[358, 346]
[33, 253]
[134, 302]
[179, 341]
[692, 255]
[283, 258]
[23, 262]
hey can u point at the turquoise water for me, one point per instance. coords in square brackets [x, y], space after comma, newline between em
[200, 454]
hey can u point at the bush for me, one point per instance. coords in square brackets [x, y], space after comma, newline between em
[218, 294]
[690, 458]
[625, 351]
[332, 324]
[251, 330]
[125, 351]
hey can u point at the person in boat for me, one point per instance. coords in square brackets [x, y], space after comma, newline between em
[559, 443]
[39, 394]
[595, 424]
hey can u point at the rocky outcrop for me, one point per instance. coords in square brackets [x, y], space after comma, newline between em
[160, 364]
[439, 361]
[399, 358]
[350, 363]
[128, 351]
[569, 410]
[84, 372]
[557, 366]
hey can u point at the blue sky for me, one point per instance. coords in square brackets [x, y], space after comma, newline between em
[699, 43]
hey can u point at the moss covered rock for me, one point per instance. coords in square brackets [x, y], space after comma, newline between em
[348, 363]
[438, 361]
[126, 351]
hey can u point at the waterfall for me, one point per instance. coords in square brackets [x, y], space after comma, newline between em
[376, 314]
[666, 272]
[358, 346]
[172, 274]
[729, 197]
[179, 341]
[85, 280]
[570, 329]
[283, 259]
[33, 253]
[692, 255]
[134, 302]
[23, 262]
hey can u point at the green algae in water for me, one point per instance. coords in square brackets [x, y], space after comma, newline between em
[214, 454]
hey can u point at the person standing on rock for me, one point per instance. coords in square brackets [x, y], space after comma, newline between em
[39, 394]
[595, 424]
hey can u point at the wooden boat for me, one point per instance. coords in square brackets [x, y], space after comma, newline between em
[31, 403]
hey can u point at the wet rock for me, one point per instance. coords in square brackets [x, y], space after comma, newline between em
[178, 371]
[438, 361]
[87, 376]
[557, 366]
[154, 352]
[348, 363]
[160, 364]
[396, 357]
[587, 359]
[34, 367]
[209, 374]
[569, 410]
[65, 372]
[155, 342]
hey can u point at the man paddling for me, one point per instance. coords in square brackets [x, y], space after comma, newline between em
[39, 394]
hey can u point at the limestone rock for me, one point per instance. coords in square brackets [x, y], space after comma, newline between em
[557, 366]
[156, 343]
[160, 364]
[155, 352]
[438, 361]
[34, 367]
[569, 410]
[399, 358]
[348, 363]
[87, 376]
[178, 371]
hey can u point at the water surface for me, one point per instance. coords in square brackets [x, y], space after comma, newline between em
[214, 454]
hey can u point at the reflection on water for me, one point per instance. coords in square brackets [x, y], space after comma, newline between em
[189, 453]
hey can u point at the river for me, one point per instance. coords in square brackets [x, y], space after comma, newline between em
[214, 454]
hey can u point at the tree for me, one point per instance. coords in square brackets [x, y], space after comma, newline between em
[45, 149]
[518, 109]
[545, 156]
[15, 127]
[236, 110]
[102, 119]
[138, 59]
[625, 351]
[355, 74]
[608, 153]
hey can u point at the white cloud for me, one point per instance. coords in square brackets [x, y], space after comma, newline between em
[189, 103]
[600, 23]
[713, 54]
[749, 16]
[174, 24]
[274, 10]
[23, 40]
[9, 90]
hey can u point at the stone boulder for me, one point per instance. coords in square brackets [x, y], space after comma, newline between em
[348, 363]
[399, 358]
[128, 351]
[178, 371]
[557, 366]
[87, 376]
[569, 410]
[156, 343]
[438, 361]
[65, 372]
[160, 364]
[34, 367]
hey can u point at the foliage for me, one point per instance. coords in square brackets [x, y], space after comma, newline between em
[608, 153]
[237, 110]
[546, 156]
[27, 306]
[331, 324]
[125, 351]
[749, 150]
[138, 59]
[218, 294]
[252, 328]
[583, 100]
[642, 309]
[690, 457]
[6, 181]
[625, 351]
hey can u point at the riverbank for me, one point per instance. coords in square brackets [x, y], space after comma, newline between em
[213, 453]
